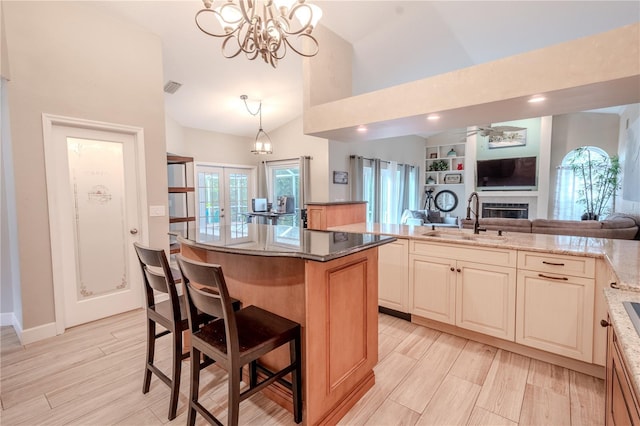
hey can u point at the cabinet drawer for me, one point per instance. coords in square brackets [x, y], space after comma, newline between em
[557, 264]
[485, 255]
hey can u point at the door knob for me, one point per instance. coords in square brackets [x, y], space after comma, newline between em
[133, 231]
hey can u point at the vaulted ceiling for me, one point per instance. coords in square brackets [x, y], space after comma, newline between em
[394, 42]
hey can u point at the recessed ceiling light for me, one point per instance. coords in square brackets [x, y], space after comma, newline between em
[537, 99]
[433, 117]
[362, 128]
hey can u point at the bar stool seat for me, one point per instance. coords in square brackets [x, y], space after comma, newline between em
[171, 314]
[235, 339]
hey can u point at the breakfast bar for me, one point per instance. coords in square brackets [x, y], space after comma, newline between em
[328, 283]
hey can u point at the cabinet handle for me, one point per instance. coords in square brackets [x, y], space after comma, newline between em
[614, 285]
[553, 278]
[459, 270]
[552, 264]
[605, 323]
[452, 269]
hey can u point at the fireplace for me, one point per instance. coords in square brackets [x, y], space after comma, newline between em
[506, 210]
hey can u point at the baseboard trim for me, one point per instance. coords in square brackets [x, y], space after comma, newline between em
[34, 334]
[402, 315]
[6, 318]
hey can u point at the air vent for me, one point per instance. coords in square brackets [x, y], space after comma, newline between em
[172, 87]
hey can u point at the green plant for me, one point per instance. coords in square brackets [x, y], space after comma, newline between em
[438, 166]
[600, 179]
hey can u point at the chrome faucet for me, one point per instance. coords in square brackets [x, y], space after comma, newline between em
[476, 224]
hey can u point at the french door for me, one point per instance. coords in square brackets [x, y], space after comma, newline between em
[223, 195]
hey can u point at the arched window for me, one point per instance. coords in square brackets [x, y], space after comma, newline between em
[569, 186]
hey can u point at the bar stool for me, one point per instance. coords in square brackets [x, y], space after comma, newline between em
[170, 314]
[236, 339]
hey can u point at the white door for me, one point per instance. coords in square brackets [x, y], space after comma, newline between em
[94, 203]
[223, 195]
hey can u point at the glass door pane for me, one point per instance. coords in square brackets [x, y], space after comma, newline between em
[284, 181]
[238, 189]
[210, 196]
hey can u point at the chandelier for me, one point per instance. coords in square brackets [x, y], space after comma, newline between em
[264, 28]
[262, 144]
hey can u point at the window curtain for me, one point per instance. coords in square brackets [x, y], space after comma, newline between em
[565, 204]
[569, 187]
[305, 181]
[388, 187]
[356, 167]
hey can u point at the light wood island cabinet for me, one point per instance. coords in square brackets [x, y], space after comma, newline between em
[622, 406]
[555, 304]
[325, 215]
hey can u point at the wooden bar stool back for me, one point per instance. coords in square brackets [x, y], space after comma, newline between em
[236, 339]
[170, 314]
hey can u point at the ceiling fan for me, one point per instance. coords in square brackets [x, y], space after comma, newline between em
[494, 131]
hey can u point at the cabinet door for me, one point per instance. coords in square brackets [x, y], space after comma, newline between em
[393, 275]
[621, 403]
[555, 314]
[432, 288]
[486, 299]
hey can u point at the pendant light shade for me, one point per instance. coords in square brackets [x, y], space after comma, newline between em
[262, 144]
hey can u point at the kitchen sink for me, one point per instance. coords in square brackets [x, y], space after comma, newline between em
[459, 236]
[633, 309]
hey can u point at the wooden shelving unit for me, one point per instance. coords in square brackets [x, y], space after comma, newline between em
[181, 206]
[182, 210]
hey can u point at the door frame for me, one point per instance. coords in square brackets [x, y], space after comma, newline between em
[57, 253]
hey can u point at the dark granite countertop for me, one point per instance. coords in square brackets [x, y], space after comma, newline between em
[285, 241]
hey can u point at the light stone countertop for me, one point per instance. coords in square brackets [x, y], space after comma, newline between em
[623, 257]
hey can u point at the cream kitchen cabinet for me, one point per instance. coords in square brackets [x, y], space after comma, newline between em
[393, 275]
[486, 299]
[470, 288]
[555, 302]
[432, 288]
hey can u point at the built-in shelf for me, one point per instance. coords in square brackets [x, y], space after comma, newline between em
[451, 156]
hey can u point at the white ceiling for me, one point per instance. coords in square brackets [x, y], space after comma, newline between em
[394, 42]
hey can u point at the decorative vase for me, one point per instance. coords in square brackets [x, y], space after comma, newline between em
[452, 153]
[589, 216]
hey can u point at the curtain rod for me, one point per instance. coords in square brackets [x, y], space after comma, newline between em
[308, 157]
[382, 161]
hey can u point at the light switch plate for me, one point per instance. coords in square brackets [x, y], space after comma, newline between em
[156, 211]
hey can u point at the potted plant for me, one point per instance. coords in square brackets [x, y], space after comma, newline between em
[600, 179]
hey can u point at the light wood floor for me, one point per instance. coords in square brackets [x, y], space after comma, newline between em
[92, 375]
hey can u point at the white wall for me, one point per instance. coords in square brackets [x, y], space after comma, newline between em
[290, 142]
[628, 200]
[71, 59]
[212, 147]
[405, 150]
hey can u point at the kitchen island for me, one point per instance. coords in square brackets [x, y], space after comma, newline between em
[325, 281]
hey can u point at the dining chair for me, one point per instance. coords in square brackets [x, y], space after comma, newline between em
[236, 339]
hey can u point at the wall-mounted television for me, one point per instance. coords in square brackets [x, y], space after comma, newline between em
[506, 174]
